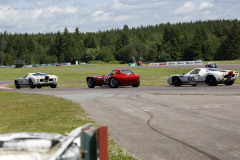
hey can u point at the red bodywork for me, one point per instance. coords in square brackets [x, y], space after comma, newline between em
[120, 75]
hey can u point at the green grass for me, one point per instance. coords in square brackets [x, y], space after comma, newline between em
[31, 112]
[75, 76]
[39, 113]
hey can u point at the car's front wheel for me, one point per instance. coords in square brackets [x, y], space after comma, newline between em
[90, 83]
[229, 83]
[113, 83]
[31, 85]
[211, 81]
[176, 81]
[17, 84]
[137, 84]
[53, 85]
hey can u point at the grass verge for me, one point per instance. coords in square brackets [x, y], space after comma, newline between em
[38, 113]
[76, 77]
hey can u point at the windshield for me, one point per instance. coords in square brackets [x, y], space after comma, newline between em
[40, 74]
[112, 73]
[127, 72]
[215, 69]
[25, 76]
[195, 71]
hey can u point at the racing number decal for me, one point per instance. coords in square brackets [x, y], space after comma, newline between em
[191, 79]
[106, 79]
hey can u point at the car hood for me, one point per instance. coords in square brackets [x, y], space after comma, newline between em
[26, 145]
[178, 75]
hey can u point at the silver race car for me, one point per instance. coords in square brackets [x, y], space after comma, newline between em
[210, 76]
[38, 80]
[79, 143]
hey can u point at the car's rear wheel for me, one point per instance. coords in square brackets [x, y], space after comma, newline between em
[211, 81]
[53, 85]
[137, 84]
[90, 83]
[229, 83]
[39, 87]
[113, 83]
[31, 85]
[17, 84]
[176, 81]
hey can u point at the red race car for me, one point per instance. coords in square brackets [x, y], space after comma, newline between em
[118, 77]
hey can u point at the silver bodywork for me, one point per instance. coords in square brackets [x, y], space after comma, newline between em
[33, 80]
[199, 76]
[41, 146]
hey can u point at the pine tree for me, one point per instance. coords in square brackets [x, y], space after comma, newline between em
[7, 60]
[90, 41]
[230, 48]
[152, 52]
[172, 35]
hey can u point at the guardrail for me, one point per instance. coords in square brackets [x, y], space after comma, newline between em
[198, 62]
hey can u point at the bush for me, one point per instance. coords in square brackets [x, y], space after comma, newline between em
[114, 62]
[96, 62]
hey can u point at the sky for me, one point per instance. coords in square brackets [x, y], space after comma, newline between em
[45, 16]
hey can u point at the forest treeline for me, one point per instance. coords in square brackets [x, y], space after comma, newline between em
[206, 40]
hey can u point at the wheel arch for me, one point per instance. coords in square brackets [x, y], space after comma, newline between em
[113, 78]
[93, 82]
[178, 78]
[215, 82]
[209, 75]
[31, 79]
[109, 81]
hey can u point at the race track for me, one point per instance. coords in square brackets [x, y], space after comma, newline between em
[164, 122]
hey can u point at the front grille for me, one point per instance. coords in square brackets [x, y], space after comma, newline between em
[46, 78]
[229, 76]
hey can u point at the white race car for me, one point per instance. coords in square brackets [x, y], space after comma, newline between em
[38, 80]
[79, 143]
[210, 76]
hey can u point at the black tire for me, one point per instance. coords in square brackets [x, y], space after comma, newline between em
[137, 84]
[39, 87]
[229, 83]
[31, 85]
[17, 84]
[113, 83]
[211, 81]
[90, 83]
[176, 81]
[53, 85]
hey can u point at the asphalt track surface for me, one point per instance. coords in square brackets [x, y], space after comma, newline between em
[164, 122]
